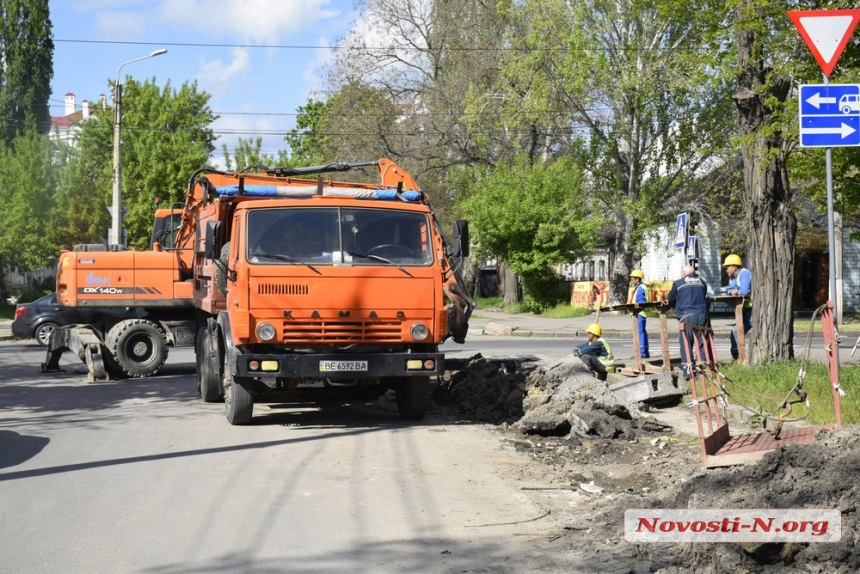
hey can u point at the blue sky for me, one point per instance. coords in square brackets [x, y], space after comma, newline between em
[259, 59]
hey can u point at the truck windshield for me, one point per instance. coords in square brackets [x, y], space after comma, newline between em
[338, 236]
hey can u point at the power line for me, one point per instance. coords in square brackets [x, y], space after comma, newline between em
[393, 48]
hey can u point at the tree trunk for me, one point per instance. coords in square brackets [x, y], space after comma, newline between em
[622, 260]
[769, 214]
[509, 284]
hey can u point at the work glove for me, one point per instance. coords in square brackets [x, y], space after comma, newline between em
[577, 353]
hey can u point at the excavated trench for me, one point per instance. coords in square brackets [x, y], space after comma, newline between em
[583, 439]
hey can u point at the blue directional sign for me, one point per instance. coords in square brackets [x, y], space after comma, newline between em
[681, 231]
[830, 115]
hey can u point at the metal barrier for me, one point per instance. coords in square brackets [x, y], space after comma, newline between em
[710, 399]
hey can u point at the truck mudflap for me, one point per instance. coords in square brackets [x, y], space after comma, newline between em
[270, 366]
[82, 342]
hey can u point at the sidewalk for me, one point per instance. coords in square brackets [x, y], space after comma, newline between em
[5, 330]
[493, 322]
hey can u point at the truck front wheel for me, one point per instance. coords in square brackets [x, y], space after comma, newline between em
[413, 397]
[238, 398]
[138, 347]
[208, 353]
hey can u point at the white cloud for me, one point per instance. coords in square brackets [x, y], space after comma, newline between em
[256, 21]
[253, 21]
[218, 72]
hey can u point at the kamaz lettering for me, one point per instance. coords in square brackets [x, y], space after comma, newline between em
[93, 280]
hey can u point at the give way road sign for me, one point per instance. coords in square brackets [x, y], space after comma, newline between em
[829, 115]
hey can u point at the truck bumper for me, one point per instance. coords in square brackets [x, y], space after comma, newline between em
[337, 366]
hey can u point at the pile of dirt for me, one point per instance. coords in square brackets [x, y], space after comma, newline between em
[600, 457]
[483, 390]
[822, 474]
[548, 399]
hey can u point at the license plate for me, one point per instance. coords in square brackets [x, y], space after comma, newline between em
[339, 366]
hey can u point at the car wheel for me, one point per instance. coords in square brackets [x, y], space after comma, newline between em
[43, 333]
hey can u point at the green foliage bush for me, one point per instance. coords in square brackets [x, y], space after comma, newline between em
[764, 387]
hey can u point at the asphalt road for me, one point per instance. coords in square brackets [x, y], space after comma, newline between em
[141, 476]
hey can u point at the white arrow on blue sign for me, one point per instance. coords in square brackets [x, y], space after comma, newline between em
[829, 115]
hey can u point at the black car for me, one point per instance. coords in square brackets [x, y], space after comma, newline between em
[38, 319]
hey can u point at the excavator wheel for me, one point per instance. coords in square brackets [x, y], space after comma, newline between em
[221, 269]
[413, 397]
[208, 354]
[138, 347]
[238, 397]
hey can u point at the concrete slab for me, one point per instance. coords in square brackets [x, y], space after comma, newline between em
[647, 388]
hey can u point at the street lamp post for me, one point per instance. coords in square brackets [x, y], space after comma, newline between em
[116, 208]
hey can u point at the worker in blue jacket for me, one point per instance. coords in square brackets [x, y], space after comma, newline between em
[740, 285]
[596, 353]
[689, 295]
[640, 295]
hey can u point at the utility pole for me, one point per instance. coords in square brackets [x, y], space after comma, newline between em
[116, 235]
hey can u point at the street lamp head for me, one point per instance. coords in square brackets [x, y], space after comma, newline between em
[158, 52]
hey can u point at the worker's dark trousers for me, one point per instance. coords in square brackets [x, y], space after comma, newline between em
[594, 364]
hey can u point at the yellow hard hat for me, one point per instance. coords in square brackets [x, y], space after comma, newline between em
[733, 260]
[594, 329]
[637, 273]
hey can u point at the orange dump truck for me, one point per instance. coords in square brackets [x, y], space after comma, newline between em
[291, 287]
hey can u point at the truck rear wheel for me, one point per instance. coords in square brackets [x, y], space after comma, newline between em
[207, 348]
[413, 397]
[138, 347]
[238, 398]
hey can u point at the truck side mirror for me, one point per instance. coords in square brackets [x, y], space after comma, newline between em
[461, 238]
[212, 240]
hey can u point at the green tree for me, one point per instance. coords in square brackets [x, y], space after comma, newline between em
[534, 217]
[305, 140]
[248, 154]
[770, 58]
[26, 65]
[166, 136]
[359, 123]
[630, 81]
[29, 172]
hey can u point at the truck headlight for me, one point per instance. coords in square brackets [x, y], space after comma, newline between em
[419, 331]
[265, 332]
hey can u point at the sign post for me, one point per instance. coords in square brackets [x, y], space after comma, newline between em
[827, 32]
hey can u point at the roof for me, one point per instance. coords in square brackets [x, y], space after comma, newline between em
[67, 121]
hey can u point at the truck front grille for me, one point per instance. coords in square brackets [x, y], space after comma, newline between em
[341, 332]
